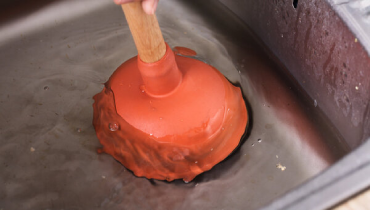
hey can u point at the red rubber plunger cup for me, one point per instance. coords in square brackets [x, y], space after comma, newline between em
[164, 116]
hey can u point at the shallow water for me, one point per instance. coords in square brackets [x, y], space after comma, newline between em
[48, 146]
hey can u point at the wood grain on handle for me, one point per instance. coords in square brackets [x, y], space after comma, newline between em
[146, 32]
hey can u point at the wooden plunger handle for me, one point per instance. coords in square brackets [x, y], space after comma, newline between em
[146, 32]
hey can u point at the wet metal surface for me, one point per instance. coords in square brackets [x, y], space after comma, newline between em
[56, 59]
[321, 52]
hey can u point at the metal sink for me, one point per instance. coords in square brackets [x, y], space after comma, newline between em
[56, 55]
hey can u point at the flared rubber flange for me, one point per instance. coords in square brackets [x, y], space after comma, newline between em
[172, 119]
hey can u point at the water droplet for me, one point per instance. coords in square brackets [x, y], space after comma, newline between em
[186, 182]
[142, 88]
[103, 177]
[113, 126]
[211, 149]
[196, 162]
[239, 72]
[223, 128]
[196, 184]
[315, 103]
[79, 130]
[161, 118]
[282, 35]
[356, 87]
[151, 134]
[252, 145]
[46, 87]
[259, 140]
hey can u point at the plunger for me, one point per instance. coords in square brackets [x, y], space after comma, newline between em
[166, 116]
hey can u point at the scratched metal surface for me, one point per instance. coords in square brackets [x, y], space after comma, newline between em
[325, 45]
[56, 57]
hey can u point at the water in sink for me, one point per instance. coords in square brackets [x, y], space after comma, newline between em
[48, 145]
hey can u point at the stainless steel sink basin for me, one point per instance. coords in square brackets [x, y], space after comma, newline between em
[56, 55]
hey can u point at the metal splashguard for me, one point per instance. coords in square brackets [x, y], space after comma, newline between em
[56, 55]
